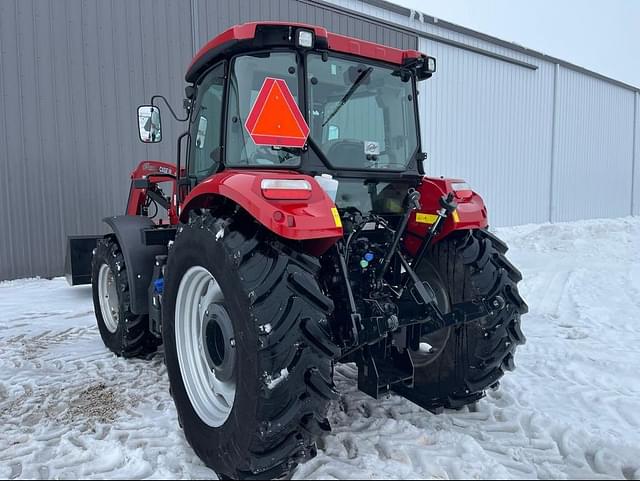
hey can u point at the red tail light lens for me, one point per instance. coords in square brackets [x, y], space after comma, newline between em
[462, 190]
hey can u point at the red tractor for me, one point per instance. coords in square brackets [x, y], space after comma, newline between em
[299, 232]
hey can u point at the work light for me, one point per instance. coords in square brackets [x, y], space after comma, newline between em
[431, 64]
[305, 39]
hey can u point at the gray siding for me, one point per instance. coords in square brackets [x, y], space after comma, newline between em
[213, 17]
[540, 139]
[488, 122]
[594, 136]
[72, 75]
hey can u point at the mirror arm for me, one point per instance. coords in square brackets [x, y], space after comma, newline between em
[421, 157]
[169, 106]
[178, 165]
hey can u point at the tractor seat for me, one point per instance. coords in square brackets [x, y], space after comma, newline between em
[346, 153]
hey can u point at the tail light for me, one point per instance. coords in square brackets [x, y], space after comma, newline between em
[462, 190]
[286, 189]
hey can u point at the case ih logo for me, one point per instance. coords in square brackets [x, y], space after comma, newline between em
[152, 168]
[275, 118]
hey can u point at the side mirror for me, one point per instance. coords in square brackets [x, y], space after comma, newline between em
[149, 124]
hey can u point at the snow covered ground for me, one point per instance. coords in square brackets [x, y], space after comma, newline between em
[69, 409]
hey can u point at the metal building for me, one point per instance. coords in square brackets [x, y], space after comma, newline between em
[541, 139]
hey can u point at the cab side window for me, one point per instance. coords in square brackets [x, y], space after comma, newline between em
[206, 124]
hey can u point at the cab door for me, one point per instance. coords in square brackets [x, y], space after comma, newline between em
[205, 144]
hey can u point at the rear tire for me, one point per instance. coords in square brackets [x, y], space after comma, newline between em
[282, 366]
[126, 334]
[476, 355]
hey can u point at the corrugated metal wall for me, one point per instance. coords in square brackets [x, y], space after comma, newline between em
[487, 121]
[540, 141]
[214, 17]
[594, 141]
[72, 74]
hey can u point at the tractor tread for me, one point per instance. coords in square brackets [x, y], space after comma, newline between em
[473, 264]
[286, 308]
[133, 338]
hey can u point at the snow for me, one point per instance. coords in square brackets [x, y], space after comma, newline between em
[68, 408]
[274, 381]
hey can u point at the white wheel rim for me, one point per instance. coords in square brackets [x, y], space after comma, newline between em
[211, 397]
[108, 295]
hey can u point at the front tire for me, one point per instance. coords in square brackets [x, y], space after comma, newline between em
[281, 370]
[126, 334]
[473, 357]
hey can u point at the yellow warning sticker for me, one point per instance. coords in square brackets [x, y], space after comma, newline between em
[336, 217]
[423, 218]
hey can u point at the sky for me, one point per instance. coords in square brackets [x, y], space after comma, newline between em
[599, 35]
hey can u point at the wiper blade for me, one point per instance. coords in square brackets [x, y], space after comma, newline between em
[363, 75]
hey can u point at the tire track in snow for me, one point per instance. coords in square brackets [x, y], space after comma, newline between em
[71, 408]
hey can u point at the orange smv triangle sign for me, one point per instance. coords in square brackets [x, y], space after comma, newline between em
[275, 118]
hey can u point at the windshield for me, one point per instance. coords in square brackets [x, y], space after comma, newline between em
[361, 116]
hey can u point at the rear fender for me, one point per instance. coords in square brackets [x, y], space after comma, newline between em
[313, 221]
[470, 214]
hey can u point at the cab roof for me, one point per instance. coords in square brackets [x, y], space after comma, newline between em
[263, 35]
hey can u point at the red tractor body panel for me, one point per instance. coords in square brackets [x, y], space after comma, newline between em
[246, 31]
[374, 51]
[470, 214]
[156, 172]
[296, 219]
[312, 220]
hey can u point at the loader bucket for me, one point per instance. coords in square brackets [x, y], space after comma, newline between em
[78, 260]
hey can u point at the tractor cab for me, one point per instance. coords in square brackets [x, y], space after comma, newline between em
[293, 97]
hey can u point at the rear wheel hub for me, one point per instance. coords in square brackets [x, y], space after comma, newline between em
[218, 342]
[205, 346]
[108, 295]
